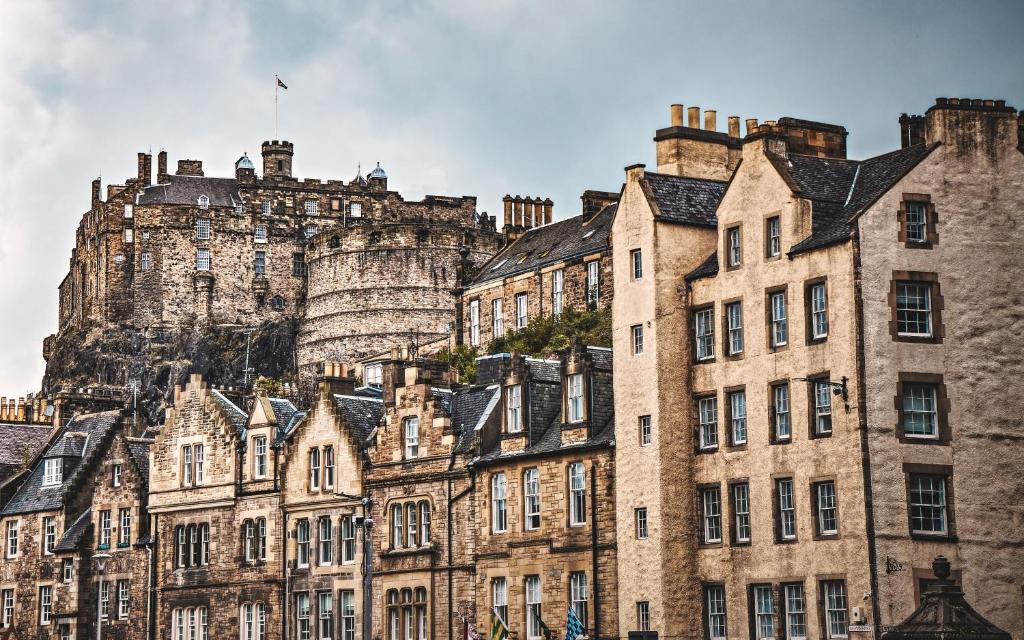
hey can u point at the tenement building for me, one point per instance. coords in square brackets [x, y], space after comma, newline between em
[819, 422]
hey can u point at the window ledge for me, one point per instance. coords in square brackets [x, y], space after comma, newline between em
[414, 551]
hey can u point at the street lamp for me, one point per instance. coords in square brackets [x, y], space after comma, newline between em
[101, 565]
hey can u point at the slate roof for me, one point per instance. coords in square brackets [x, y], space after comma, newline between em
[73, 536]
[139, 451]
[21, 444]
[707, 269]
[287, 415]
[684, 200]
[362, 414]
[470, 407]
[238, 418]
[222, 192]
[555, 242]
[32, 495]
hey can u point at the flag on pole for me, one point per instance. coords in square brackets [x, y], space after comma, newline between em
[281, 84]
[498, 629]
[573, 626]
[548, 635]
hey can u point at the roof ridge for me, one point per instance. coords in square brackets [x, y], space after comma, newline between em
[669, 175]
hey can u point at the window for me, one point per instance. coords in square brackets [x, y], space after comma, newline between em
[913, 309]
[192, 545]
[593, 284]
[521, 305]
[646, 431]
[499, 598]
[302, 627]
[637, 331]
[348, 615]
[412, 437]
[578, 595]
[105, 526]
[818, 298]
[314, 469]
[12, 539]
[116, 471]
[254, 621]
[733, 247]
[704, 333]
[497, 319]
[105, 599]
[204, 202]
[68, 569]
[514, 402]
[474, 323]
[129, 235]
[265, 207]
[128, 211]
[302, 543]
[920, 410]
[325, 614]
[916, 221]
[187, 468]
[825, 506]
[145, 235]
[764, 612]
[53, 471]
[312, 207]
[779, 327]
[393, 613]
[200, 456]
[499, 517]
[714, 600]
[574, 402]
[260, 234]
[145, 261]
[636, 260]
[259, 264]
[741, 513]
[309, 230]
[250, 540]
[412, 526]
[822, 403]
[424, 523]
[641, 523]
[781, 426]
[643, 615]
[46, 604]
[299, 264]
[124, 602]
[202, 259]
[707, 427]
[928, 507]
[356, 210]
[834, 601]
[796, 612]
[577, 495]
[259, 451]
[326, 546]
[190, 624]
[773, 244]
[348, 540]
[533, 608]
[737, 418]
[786, 509]
[397, 526]
[7, 615]
[328, 467]
[531, 499]
[734, 328]
[49, 534]
[202, 229]
[557, 288]
[711, 515]
[124, 529]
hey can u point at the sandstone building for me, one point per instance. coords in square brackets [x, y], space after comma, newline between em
[820, 424]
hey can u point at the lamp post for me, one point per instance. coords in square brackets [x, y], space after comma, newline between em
[101, 565]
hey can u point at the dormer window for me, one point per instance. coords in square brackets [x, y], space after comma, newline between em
[514, 404]
[412, 437]
[574, 398]
[204, 202]
[53, 472]
[259, 450]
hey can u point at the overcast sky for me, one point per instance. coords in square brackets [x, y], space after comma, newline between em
[480, 98]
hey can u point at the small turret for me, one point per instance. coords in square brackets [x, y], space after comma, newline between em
[277, 158]
[245, 170]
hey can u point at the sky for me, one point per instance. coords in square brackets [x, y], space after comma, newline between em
[476, 98]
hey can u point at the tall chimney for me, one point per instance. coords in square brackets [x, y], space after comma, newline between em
[538, 212]
[95, 192]
[734, 126]
[517, 211]
[710, 120]
[693, 117]
[142, 168]
[507, 201]
[21, 409]
[161, 167]
[751, 125]
[548, 204]
[677, 115]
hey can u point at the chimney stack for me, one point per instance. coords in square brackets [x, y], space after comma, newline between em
[21, 409]
[693, 117]
[710, 120]
[548, 204]
[142, 168]
[677, 115]
[507, 201]
[517, 211]
[161, 167]
[734, 126]
[751, 125]
[95, 199]
[190, 168]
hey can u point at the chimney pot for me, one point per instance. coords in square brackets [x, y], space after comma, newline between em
[634, 172]
[734, 126]
[710, 120]
[507, 201]
[548, 204]
[990, 103]
[677, 115]
[161, 166]
[693, 117]
[751, 125]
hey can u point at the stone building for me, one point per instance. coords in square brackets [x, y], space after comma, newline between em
[794, 457]
[547, 267]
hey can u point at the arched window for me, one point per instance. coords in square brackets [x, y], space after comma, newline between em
[335, 242]
[407, 625]
[393, 615]
[424, 523]
[314, 469]
[204, 202]
[302, 542]
[411, 524]
[253, 621]
[412, 437]
[397, 529]
[190, 623]
[261, 537]
[180, 548]
[421, 613]
[249, 534]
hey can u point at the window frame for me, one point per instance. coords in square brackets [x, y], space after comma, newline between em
[819, 386]
[499, 503]
[53, 472]
[637, 334]
[930, 236]
[532, 512]
[762, 623]
[708, 520]
[739, 510]
[778, 329]
[732, 335]
[704, 427]
[787, 611]
[514, 408]
[533, 603]
[636, 263]
[773, 241]
[774, 389]
[593, 284]
[522, 302]
[781, 537]
[714, 619]
[411, 437]
[575, 398]
[733, 247]
[818, 511]
[260, 460]
[641, 529]
[497, 318]
[932, 472]
[204, 259]
[557, 291]
[579, 600]
[577, 493]
[703, 317]
[825, 609]
[733, 420]
[930, 282]
[474, 323]
[943, 432]
[646, 430]
[812, 314]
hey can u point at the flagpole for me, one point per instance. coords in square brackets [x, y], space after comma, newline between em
[276, 80]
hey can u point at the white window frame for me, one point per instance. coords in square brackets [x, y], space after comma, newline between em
[302, 627]
[531, 499]
[734, 318]
[774, 236]
[704, 333]
[640, 517]
[920, 403]
[203, 259]
[7, 613]
[116, 472]
[557, 291]
[145, 261]
[781, 412]
[787, 508]
[259, 235]
[203, 202]
[499, 506]
[203, 228]
[707, 422]
[302, 543]
[348, 539]
[128, 211]
[636, 262]
[355, 209]
[259, 263]
[348, 615]
[124, 602]
[738, 417]
[314, 469]
[921, 294]
[325, 615]
[779, 324]
[711, 515]
[734, 248]
[129, 235]
[514, 406]
[499, 598]
[916, 221]
[741, 511]
[265, 207]
[474, 323]
[533, 601]
[835, 604]
[819, 311]
[796, 612]
[259, 457]
[11, 546]
[593, 283]
[643, 615]
[124, 526]
[199, 452]
[49, 534]
[325, 541]
[715, 598]
[106, 529]
[522, 310]
[577, 494]
[311, 207]
[578, 595]
[827, 508]
[497, 318]
[53, 472]
[411, 428]
[764, 612]
[637, 332]
[46, 604]
[822, 408]
[928, 503]
[574, 397]
[646, 431]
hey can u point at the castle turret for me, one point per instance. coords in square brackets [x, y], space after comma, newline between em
[277, 158]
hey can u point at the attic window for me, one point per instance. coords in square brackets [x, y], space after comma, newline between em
[53, 472]
[204, 202]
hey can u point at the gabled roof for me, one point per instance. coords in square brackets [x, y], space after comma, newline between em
[362, 414]
[32, 495]
[238, 418]
[73, 535]
[684, 200]
[470, 408]
[21, 444]
[706, 269]
[562, 240]
[139, 451]
[186, 190]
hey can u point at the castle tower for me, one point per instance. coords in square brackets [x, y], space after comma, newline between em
[277, 158]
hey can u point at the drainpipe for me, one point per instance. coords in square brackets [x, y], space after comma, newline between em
[593, 549]
[287, 572]
[451, 538]
[149, 590]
